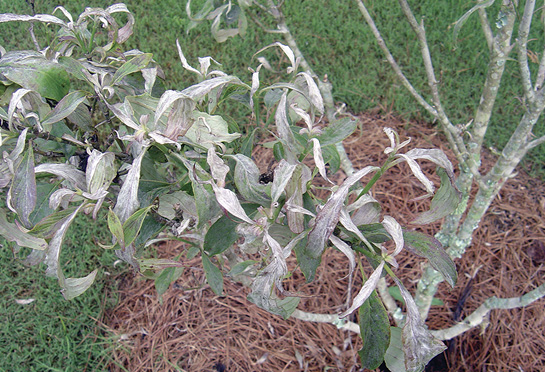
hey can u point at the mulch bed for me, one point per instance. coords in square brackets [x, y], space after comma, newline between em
[198, 331]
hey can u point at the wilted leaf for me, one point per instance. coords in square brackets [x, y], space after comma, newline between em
[209, 130]
[313, 92]
[419, 346]
[133, 65]
[284, 131]
[287, 51]
[374, 332]
[228, 200]
[218, 168]
[127, 200]
[318, 159]
[213, 275]
[394, 229]
[22, 194]
[65, 107]
[45, 18]
[282, 175]
[198, 91]
[365, 291]
[220, 236]
[430, 248]
[328, 217]
[55, 245]
[444, 202]
[73, 287]
[66, 171]
[13, 234]
[367, 210]
[100, 171]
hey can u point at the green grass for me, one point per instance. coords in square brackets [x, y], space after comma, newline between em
[52, 334]
[337, 42]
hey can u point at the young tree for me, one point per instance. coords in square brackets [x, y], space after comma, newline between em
[465, 140]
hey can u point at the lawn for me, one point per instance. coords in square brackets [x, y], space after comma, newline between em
[338, 43]
[52, 334]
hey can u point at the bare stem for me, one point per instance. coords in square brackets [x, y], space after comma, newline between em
[327, 318]
[522, 42]
[485, 25]
[479, 316]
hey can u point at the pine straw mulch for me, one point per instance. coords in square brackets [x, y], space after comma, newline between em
[198, 331]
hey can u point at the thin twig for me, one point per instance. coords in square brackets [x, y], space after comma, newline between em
[522, 42]
[485, 25]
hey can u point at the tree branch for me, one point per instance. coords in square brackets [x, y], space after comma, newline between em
[522, 42]
[485, 25]
[481, 314]
[382, 44]
[327, 318]
[534, 143]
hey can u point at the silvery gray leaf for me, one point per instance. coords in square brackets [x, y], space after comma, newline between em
[419, 345]
[127, 200]
[66, 171]
[328, 217]
[282, 175]
[365, 291]
[12, 233]
[22, 194]
[73, 287]
[218, 168]
[54, 250]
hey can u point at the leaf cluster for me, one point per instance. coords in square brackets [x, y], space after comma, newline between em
[88, 127]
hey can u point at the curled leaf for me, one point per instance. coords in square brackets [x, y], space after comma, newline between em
[419, 346]
[365, 290]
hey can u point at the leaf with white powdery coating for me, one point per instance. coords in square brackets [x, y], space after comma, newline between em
[428, 247]
[326, 220]
[228, 200]
[365, 291]
[394, 357]
[33, 71]
[65, 107]
[444, 202]
[282, 175]
[247, 181]
[419, 346]
[73, 287]
[54, 250]
[22, 195]
[127, 200]
[12, 233]
[337, 131]
[133, 65]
